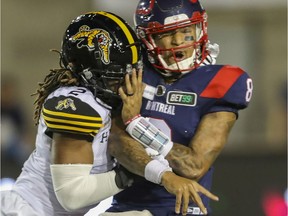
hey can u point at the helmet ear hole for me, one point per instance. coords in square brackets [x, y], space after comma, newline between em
[88, 74]
[100, 45]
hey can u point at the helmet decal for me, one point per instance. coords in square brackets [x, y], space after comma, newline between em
[86, 36]
[127, 33]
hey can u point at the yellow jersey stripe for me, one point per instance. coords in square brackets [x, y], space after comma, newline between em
[68, 115]
[96, 125]
[69, 128]
[127, 33]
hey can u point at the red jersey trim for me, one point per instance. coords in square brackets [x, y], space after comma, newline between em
[222, 82]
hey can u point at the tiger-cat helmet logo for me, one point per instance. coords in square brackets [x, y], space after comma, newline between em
[86, 36]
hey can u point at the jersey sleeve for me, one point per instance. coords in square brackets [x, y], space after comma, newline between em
[231, 88]
[68, 114]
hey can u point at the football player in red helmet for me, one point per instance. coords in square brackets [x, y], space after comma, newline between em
[189, 107]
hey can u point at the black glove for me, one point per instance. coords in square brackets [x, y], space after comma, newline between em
[123, 177]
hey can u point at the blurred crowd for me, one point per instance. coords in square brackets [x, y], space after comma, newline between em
[15, 144]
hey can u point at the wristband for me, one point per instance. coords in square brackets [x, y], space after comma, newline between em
[154, 171]
[132, 119]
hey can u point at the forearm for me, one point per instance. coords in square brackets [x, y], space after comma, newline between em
[133, 156]
[209, 140]
[128, 151]
[184, 162]
[76, 188]
[188, 163]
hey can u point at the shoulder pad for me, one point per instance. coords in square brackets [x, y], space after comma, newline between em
[231, 85]
[68, 113]
[222, 82]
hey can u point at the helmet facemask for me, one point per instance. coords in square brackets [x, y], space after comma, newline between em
[106, 83]
[181, 63]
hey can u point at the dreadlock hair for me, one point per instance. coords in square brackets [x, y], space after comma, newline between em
[55, 79]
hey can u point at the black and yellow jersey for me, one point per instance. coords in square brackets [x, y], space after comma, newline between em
[73, 110]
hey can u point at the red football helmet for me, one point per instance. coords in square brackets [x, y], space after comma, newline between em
[156, 17]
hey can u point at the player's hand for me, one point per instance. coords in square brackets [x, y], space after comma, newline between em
[131, 95]
[185, 190]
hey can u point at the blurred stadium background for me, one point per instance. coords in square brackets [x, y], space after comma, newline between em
[251, 174]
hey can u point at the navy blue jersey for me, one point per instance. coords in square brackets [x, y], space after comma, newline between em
[177, 109]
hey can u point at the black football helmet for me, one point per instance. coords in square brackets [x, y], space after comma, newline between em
[100, 48]
[154, 17]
